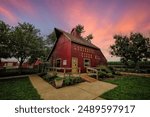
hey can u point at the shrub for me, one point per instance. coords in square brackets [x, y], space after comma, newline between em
[71, 81]
[104, 69]
[78, 79]
[106, 72]
[48, 77]
[102, 74]
[58, 78]
[67, 81]
[112, 70]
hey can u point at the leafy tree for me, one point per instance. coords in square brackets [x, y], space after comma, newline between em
[51, 38]
[4, 40]
[80, 28]
[133, 48]
[27, 42]
[89, 37]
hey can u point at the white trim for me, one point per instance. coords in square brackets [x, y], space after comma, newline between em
[67, 36]
[89, 62]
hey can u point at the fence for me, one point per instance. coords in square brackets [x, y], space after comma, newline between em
[92, 71]
[63, 70]
[143, 67]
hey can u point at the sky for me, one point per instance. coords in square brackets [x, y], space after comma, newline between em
[102, 18]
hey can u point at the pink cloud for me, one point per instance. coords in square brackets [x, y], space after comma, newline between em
[102, 21]
[8, 15]
[102, 27]
[26, 7]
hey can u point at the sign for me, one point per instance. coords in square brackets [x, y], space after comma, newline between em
[64, 62]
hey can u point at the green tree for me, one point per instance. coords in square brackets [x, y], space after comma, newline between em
[27, 42]
[4, 40]
[51, 38]
[80, 28]
[133, 48]
[89, 37]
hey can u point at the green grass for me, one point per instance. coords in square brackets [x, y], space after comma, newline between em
[129, 88]
[17, 89]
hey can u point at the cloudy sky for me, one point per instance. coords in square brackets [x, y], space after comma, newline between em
[102, 18]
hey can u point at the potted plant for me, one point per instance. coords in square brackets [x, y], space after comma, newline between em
[58, 82]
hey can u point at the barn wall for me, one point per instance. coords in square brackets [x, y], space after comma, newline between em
[82, 52]
[62, 51]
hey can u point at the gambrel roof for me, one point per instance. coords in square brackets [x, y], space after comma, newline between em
[73, 39]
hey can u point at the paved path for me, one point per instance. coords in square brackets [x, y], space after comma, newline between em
[87, 78]
[81, 91]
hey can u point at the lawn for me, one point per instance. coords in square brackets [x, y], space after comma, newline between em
[129, 88]
[17, 89]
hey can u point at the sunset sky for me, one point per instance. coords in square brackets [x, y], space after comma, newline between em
[102, 18]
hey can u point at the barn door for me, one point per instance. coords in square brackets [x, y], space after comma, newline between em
[74, 65]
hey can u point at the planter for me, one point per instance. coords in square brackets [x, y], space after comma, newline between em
[58, 82]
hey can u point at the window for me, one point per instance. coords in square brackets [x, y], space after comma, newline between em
[58, 63]
[86, 62]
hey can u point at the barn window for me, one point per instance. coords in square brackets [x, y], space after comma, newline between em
[86, 62]
[58, 63]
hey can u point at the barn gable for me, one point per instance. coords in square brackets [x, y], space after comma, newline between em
[72, 49]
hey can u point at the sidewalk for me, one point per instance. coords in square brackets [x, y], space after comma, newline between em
[81, 91]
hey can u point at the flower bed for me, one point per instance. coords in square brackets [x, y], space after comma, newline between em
[59, 82]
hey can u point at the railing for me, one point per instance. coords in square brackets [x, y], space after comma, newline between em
[92, 71]
[63, 70]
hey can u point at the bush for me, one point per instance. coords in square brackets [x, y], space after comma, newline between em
[104, 69]
[49, 77]
[78, 80]
[106, 72]
[112, 70]
[58, 78]
[102, 74]
[66, 81]
[71, 81]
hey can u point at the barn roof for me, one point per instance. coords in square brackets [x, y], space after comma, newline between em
[73, 39]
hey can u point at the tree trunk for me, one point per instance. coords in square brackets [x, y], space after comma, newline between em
[20, 66]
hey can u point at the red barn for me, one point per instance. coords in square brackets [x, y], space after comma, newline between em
[72, 51]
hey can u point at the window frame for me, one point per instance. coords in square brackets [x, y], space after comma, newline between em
[89, 62]
[59, 59]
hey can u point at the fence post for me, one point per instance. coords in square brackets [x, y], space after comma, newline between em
[96, 74]
[86, 69]
[64, 72]
[79, 71]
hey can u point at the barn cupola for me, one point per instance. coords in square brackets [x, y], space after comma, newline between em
[75, 33]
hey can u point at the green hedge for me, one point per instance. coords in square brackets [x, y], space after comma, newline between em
[16, 71]
[144, 67]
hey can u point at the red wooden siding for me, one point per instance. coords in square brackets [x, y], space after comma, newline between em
[71, 45]
[62, 51]
[82, 52]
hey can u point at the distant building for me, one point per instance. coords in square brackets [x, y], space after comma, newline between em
[72, 51]
[10, 62]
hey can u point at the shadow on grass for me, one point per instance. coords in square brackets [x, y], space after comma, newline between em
[18, 89]
[129, 88]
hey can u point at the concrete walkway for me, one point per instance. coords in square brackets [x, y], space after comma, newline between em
[81, 91]
[88, 78]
